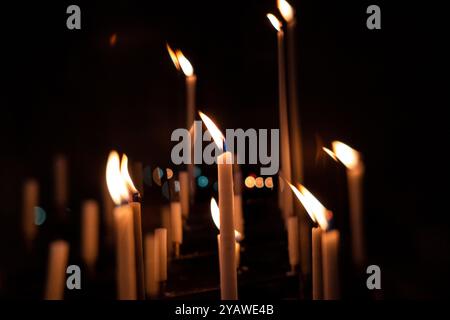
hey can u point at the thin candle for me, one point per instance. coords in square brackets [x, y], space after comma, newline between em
[228, 276]
[355, 175]
[215, 214]
[125, 242]
[285, 171]
[58, 257]
[325, 247]
[135, 204]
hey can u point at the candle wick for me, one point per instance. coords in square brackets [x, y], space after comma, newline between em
[136, 197]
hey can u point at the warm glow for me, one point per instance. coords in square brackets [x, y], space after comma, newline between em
[286, 10]
[173, 56]
[126, 175]
[302, 199]
[216, 134]
[347, 155]
[185, 65]
[249, 182]
[269, 182]
[215, 214]
[114, 180]
[311, 203]
[259, 182]
[274, 21]
[330, 153]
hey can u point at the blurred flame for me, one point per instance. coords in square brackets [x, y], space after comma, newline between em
[249, 182]
[185, 65]
[314, 205]
[126, 175]
[173, 56]
[116, 185]
[216, 134]
[286, 10]
[303, 201]
[347, 155]
[330, 153]
[113, 39]
[274, 21]
[215, 214]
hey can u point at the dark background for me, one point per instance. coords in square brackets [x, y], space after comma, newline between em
[70, 91]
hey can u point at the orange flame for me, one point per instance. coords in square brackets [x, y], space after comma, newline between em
[173, 56]
[185, 65]
[286, 10]
[274, 21]
[126, 175]
[216, 134]
[347, 155]
[116, 185]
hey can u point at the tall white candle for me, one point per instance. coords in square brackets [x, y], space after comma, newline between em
[58, 257]
[317, 283]
[283, 118]
[30, 202]
[355, 174]
[330, 259]
[152, 265]
[126, 259]
[90, 225]
[228, 278]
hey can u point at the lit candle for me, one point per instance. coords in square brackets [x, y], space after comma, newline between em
[183, 64]
[184, 193]
[325, 247]
[30, 202]
[89, 233]
[161, 236]
[108, 209]
[135, 204]
[228, 277]
[152, 265]
[125, 242]
[355, 174]
[176, 223]
[288, 14]
[285, 171]
[215, 214]
[58, 257]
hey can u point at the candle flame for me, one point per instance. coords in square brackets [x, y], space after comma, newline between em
[347, 155]
[185, 65]
[330, 153]
[286, 10]
[303, 201]
[312, 204]
[126, 175]
[216, 134]
[116, 185]
[173, 56]
[274, 21]
[215, 214]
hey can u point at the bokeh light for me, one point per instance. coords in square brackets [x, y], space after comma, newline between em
[158, 173]
[39, 216]
[169, 173]
[202, 181]
[268, 182]
[259, 182]
[249, 182]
